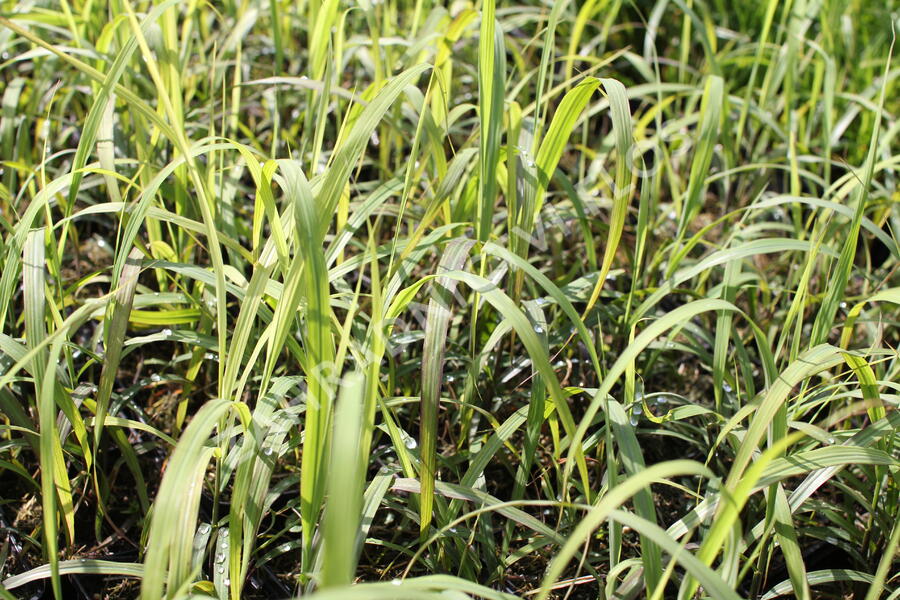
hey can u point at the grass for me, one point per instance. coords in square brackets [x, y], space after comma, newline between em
[410, 300]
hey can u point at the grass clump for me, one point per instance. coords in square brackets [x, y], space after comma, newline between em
[411, 300]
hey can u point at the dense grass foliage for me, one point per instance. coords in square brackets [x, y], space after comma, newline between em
[396, 299]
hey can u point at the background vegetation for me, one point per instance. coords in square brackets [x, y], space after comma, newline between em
[396, 299]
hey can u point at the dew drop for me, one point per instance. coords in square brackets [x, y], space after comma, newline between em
[843, 305]
[285, 547]
[267, 450]
[410, 442]
[204, 528]
[450, 378]
[220, 557]
[672, 215]
[638, 410]
[396, 582]
[226, 582]
[541, 301]
[166, 332]
[634, 420]
[155, 377]
[538, 329]
[726, 387]
[452, 530]
[221, 569]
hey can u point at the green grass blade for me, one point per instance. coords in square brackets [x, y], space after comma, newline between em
[167, 565]
[837, 283]
[438, 320]
[711, 111]
[319, 366]
[491, 73]
[116, 325]
[346, 476]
